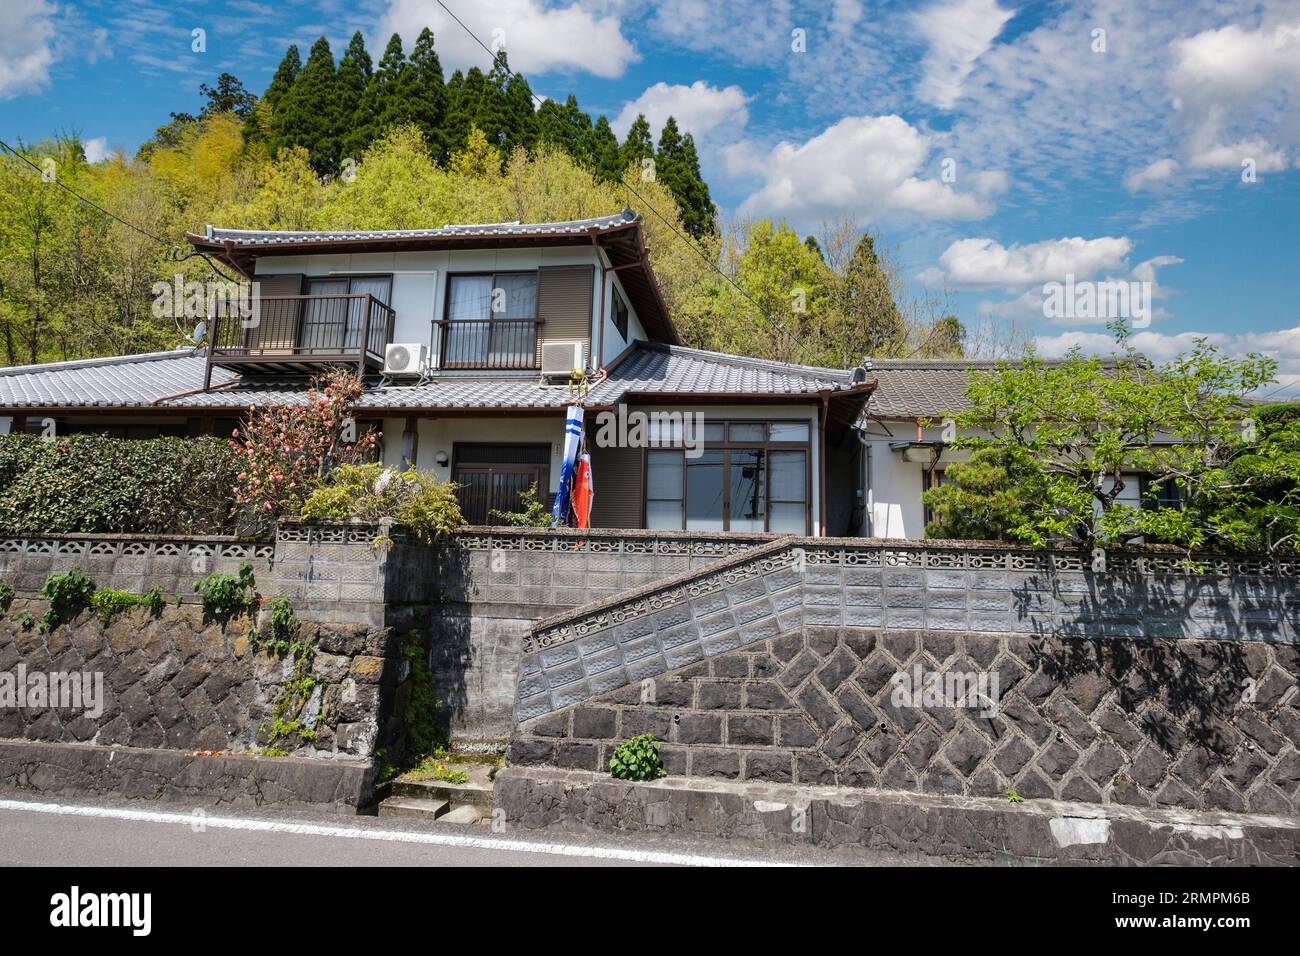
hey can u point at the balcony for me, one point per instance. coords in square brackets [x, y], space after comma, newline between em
[493, 344]
[300, 333]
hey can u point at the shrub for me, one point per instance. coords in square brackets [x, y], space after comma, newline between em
[110, 602]
[285, 451]
[534, 513]
[89, 483]
[67, 594]
[6, 596]
[414, 499]
[225, 595]
[637, 758]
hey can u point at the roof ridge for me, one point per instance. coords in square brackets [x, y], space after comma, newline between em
[97, 361]
[624, 214]
[746, 361]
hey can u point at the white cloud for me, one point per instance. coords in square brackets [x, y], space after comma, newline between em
[1156, 173]
[1028, 307]
[704, 111]
[536, 38]
[863, 166]
[96, 149]
[26, 47]
[986, 263]
[1267, 158]
[958, 33]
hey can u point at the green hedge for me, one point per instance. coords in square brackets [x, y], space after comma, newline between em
[83, 483]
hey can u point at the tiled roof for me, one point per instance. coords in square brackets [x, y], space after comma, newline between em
[575, 227]
[173, 380]
[926, 388]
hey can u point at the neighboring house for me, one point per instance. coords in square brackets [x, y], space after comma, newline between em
[502, 313]
[902, 457]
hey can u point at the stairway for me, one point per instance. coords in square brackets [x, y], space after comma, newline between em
[439, 800]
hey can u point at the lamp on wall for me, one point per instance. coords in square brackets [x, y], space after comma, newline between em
[441, 459]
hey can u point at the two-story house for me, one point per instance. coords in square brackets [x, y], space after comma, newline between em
[466, 338]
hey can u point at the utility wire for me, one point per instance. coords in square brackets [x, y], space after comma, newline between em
[497, 61]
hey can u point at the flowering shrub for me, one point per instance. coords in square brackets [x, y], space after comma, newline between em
[285, 451]
[414, 499]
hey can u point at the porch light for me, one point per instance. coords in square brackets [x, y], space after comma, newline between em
[441, 458]
[919, 452]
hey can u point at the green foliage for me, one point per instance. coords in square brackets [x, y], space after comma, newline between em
[534, 514]
[226, 595]
[25, 619]
[423, 735]
[1075, 429]
[432, 768]
[417, 500]
[6, 596]
[1014, 797]
[67, 594]
[287, 714]
[982, 498]
[282, 635]
[637, 758]
[93, 483]
[110, 602]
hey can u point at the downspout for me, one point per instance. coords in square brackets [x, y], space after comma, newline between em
[599, 363]
[821, 466]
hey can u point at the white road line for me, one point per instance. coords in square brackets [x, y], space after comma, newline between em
[391, 836]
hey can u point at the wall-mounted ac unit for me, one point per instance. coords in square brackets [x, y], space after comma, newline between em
[560, 359]
[404, 358]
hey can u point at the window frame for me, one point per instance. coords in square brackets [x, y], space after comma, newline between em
[446, 323]
[726, 446]
[614, 310]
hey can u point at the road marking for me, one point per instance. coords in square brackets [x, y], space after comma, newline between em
[391, 836]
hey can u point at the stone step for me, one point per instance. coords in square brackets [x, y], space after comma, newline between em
[476, 793]
[413, 807]
[464, 814]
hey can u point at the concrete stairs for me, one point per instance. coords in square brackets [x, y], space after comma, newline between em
[439, 800]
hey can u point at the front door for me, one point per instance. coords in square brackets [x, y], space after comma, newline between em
[492, 477]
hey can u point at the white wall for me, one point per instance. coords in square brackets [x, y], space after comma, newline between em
[420, 278]
[441, 434]
[614, 343]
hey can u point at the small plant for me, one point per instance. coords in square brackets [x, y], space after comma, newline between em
[6, 596]
[534, 514]
[432, 768]
[110, 602]
[286, 717]
[273, 752]
[25, 619]
[1014, 797]
[67, 594]
[225, 595]
[422, 733]
[637, 758]
[282, 635]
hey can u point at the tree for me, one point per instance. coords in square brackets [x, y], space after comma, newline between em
[264, 109]
[864, 304]
[678, 167]
[638, 145]
[427, 92]
[309, 113]
[1257, 506]
[1086, 423]
[982, 498]
[354, 75]
[606, 161]
[228, 96]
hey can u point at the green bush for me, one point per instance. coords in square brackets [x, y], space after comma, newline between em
[225, 595]
[67, 594]
[637, 758]
[6, 596]
[88, 483]
[414, 499]
[534, 513]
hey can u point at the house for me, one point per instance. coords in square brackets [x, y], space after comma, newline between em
[905, 434]
[472, 341]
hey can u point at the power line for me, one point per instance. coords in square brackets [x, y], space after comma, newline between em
[497, 60]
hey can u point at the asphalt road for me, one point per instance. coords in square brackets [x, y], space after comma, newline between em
[136, 833]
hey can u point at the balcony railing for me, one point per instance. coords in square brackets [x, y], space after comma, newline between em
[297, 331]
[489, 343]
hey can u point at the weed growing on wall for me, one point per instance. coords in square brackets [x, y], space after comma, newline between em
[226, 595]
[422, 733]
[6, 597]
[637, 758]
[67, 594]
[109, 602]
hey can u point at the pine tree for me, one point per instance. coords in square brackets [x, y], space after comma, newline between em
[263, 113]
[309, 113]
[228, 96]
[354, 79]
[428, 94]
[521, 117]
[467, 107]
[638, 146]
[678, 167]
[866, 303]
[379, 106]
[605, 151]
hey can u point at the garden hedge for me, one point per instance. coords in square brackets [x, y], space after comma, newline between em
[83, 483]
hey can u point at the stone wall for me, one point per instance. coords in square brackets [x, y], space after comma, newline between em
[179, 682]
[1144, 685]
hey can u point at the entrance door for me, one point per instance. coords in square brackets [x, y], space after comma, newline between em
[492, 477]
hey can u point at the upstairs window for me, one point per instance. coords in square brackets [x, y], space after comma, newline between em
[620, 314]
[491, 321]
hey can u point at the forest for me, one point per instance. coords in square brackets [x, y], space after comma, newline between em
[353, 144]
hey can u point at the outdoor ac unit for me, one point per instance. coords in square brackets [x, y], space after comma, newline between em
[404, 358]
[561, 358]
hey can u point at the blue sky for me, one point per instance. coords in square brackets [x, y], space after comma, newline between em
[995, 146]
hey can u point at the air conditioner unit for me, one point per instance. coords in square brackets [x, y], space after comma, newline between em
[559, 359]
[404, 358]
